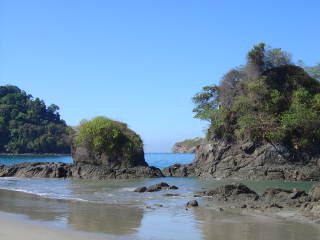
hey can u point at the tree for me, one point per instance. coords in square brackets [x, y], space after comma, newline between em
[278, 102]
[28, 126]
[206, 102]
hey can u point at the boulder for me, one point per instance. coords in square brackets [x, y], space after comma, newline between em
[234, 192]
[192, 203]
[140, 189]
[156, 187]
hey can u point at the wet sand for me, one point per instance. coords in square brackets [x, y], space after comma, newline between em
[15, 227]
[31, 217]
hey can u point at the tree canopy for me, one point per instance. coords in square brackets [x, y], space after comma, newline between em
[268, 100]
[27, 125]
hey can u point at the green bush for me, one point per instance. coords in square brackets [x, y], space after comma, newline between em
[104, 135]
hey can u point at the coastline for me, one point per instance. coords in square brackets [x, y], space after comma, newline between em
[71, 219]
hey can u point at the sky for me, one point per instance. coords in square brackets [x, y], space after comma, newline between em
[141, 61]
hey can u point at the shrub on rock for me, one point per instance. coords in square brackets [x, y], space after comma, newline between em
[102, 141]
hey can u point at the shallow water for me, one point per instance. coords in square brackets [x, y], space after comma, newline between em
[111, 208]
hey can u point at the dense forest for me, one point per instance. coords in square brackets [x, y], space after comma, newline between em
[27, 125]
[269, 99]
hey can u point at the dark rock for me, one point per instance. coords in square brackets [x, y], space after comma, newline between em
[244, 206]
[245, 160]
[171, 195]
[85, 171]
[192, 203]
[173, 187]
[248, 147]
[283, 195]
[140, 189]
[36, 169]
[234, 192]
[315, 193]
[158, 187]
[86, 156]
[274, 205]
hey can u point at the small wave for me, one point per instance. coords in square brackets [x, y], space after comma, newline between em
[127, 189]
[46, 195]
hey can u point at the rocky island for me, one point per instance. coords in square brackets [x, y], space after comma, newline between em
[264, 122]
[101, 149]
[187, 146]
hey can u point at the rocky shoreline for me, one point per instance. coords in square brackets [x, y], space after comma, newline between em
[245, 160]
[274, 202]
[81, 171]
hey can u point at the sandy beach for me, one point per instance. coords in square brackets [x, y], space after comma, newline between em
[16, 227]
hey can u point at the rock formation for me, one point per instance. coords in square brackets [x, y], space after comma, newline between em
[101, 149]
[245, 160]
[187, 146]
[272, 200]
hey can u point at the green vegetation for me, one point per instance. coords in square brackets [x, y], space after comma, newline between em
[189, 143]
[187, 146]
[28, 126]
[268, 100]
[103, 135]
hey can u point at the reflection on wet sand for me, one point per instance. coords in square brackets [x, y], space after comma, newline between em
[156, 223]
[82, 216]
[103, 218]
[227, 225]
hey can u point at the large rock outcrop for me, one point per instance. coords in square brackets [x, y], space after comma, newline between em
[245, 160]
[83, 171]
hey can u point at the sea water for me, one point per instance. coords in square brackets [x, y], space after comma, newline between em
[112, 208]
[159, 160]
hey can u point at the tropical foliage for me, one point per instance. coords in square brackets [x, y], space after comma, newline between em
[268, 100]
[27, 125]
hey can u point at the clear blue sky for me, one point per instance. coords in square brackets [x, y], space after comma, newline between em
[140, 62]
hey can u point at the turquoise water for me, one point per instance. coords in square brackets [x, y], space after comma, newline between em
[159, 160]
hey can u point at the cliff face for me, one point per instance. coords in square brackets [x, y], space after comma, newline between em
[245, 160]
[187, 146]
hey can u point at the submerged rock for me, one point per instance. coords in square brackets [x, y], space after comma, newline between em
[192, 203]
[156, 187]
